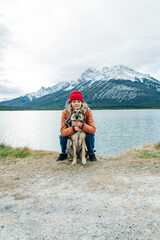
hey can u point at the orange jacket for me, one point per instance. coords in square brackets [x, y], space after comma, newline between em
[88, 125]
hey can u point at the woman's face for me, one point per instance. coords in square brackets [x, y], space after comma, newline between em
[76, 104]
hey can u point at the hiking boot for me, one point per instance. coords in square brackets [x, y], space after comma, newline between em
[92, 158]
[61, 157]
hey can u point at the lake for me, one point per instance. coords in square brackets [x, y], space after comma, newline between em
[117, 130]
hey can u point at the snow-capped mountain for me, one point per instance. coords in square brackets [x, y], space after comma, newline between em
[64, 86]
[45, 91]
[114, 85]
[117, 72]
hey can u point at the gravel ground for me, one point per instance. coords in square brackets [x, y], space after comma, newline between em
[108, 199]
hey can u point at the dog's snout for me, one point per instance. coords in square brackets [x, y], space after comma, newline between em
[77, 115]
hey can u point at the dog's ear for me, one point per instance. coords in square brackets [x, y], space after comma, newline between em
[84, 109]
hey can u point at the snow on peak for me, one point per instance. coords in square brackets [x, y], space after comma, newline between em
[116, 72]
[90, 70]
[105, 69]
[91, 74]
[45, 91]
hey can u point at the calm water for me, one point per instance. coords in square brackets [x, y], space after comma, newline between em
[117, 130]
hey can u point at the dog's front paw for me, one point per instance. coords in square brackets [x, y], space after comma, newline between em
[74, 163]
[84, 161]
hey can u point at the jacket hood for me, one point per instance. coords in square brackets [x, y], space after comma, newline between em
[67, 105]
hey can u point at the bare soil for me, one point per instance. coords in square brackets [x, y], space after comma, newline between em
[114, 198]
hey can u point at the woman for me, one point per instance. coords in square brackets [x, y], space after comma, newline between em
[69, 127]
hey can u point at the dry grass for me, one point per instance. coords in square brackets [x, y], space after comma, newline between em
[20, 196]
[157, 146]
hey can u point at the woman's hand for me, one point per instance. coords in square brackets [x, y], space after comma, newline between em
[76, 123]
[78, 129]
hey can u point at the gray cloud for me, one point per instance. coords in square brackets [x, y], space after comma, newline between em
[60, 39]
[4, 39]
[9, 89]
[1, 70]
[104, 33]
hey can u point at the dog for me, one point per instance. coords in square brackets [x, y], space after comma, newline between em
[78, 148]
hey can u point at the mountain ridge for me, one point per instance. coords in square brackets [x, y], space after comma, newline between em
[114, 85]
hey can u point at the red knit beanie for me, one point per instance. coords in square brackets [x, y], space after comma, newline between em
[76, 95]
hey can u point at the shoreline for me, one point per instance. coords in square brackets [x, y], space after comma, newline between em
[10, 108]
[31, 150]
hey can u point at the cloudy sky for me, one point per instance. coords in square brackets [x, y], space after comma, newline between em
[43, 42]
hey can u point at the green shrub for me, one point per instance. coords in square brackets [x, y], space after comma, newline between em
[7, 151]
[149, 154]
[22, 152]
[2, 146]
